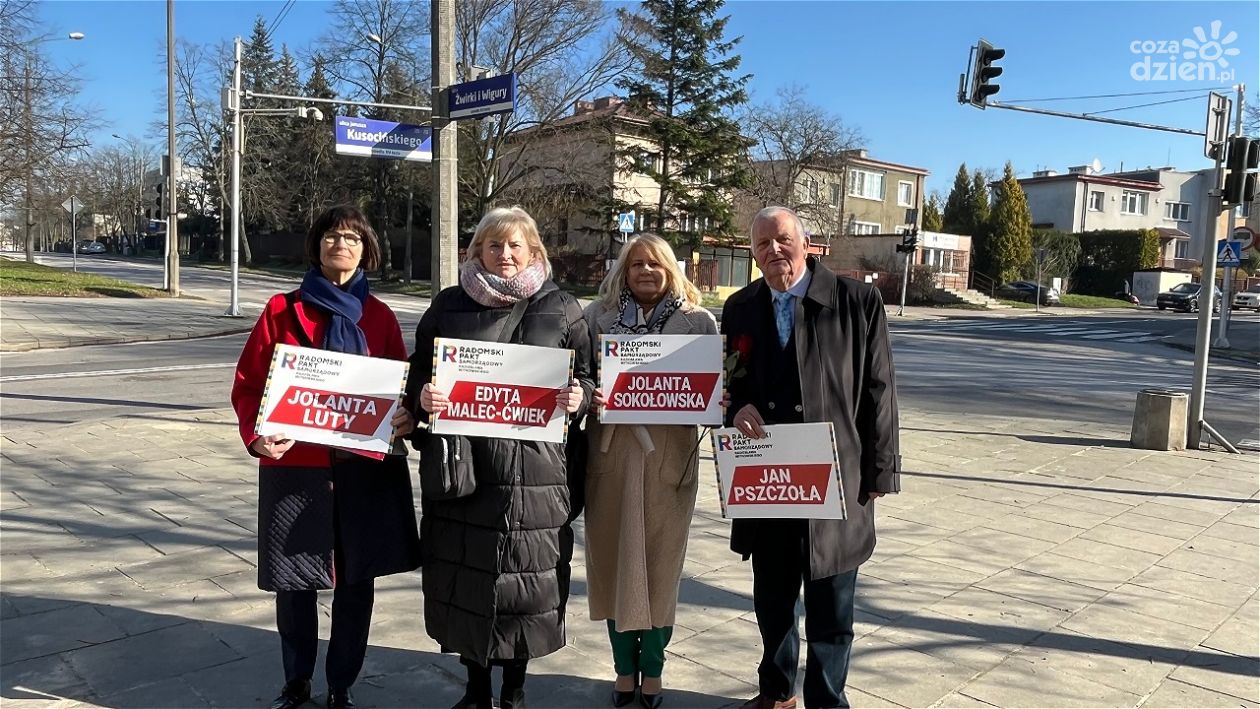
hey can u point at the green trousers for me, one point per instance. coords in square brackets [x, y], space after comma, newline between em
[639, 651]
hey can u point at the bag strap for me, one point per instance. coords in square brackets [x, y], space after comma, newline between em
[514, 320]
[292, 298]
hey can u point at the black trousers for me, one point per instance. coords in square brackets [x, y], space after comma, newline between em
[479, 677]
[297, 619]
[777, 579]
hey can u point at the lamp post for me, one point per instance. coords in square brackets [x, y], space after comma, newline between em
[30, 129]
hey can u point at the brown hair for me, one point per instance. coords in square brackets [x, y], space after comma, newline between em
[348, 217]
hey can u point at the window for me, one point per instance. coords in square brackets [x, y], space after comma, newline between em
[905, 194]
[835, 195]
[861, 228]
[866, 184]
[647, 160]
[900, 229]
[814, 197]
[1182, 249]
[1133, 202]
[1177, 211]
[1095, 201]
[1243, 211]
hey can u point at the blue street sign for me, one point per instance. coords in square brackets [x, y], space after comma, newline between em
[369, 138]
[1228, 253]
[483, 97]
[625, 222]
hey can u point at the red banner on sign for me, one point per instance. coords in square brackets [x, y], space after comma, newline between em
[515, 404]
[331, 411]
[662, 391]
[799, 484]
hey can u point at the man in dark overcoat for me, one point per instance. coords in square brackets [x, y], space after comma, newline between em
[813, 347]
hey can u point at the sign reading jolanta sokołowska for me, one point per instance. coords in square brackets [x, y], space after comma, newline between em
[501, 390]
[370, 138]
[793, 472]
[668, 379]
[332, 398]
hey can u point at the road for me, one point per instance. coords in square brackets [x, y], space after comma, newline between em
[941, 369]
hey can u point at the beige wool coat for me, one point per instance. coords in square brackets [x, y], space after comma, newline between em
[640, 494]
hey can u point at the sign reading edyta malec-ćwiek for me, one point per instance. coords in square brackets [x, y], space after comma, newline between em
[483, 97]
[370, 138]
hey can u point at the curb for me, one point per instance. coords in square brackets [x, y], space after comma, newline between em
[1248, 356]
[68, 342]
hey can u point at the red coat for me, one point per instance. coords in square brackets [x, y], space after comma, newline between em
[276, 326]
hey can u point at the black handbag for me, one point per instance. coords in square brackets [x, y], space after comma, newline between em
[446, 461]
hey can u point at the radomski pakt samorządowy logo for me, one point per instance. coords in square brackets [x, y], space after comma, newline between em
[1200, 57]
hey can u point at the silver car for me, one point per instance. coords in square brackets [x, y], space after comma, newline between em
[1248, 299]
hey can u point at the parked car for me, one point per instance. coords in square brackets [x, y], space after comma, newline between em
[1026, 291]
[91, 247]
[1249, 298]
[1185, 297]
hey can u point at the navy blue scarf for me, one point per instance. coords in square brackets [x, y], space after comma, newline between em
[343, 305]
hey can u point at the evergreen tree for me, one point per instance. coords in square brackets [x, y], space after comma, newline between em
[1010, 229]
[260, 73]
[932, 220]
[956, 217]
[977, 221]
[684, 85]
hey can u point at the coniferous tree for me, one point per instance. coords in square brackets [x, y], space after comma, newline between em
[686, 87]
[977, 222]
[932, 220]
[259, 73]
[956, 217]
[1010, 229]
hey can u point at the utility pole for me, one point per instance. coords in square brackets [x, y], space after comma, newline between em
[1227, 286]
[445, 240]
[172, 199]
[234, 104]
[407, 247]
[29, 129]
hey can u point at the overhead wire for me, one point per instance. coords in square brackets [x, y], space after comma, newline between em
[1142, 105]
[280, 16]
[1122, 95]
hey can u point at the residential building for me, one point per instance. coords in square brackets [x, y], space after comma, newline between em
[1173, 202]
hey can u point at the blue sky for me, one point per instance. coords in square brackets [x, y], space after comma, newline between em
[889, 68]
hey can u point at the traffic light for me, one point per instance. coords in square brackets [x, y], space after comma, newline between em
[1240, 180]
[909, 242]
[157, 213]
[983, 71]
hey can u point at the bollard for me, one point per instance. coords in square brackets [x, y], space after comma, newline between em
[1159, 420]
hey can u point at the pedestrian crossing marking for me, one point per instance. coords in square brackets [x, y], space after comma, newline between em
[1097, 331]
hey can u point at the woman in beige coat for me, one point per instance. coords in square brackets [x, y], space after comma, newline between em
[641, 480]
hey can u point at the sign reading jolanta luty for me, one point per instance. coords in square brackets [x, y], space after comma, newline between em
[793, 472]
[661, 379]
[501, 390]
[332, 398]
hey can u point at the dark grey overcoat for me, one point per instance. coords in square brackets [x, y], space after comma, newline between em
[846, 374]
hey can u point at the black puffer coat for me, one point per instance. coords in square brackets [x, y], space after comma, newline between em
[496, 563]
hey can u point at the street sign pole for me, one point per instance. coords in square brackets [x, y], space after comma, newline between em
[445, 225]
[74, 233]
[172, 199]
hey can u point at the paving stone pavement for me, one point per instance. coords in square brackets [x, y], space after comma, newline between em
[1027, 563]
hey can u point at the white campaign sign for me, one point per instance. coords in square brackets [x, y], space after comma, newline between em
[501, 390]
[671, 379]
[332, 398]
[793, 472]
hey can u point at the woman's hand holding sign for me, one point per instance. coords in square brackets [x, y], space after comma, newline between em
[403, 422]
[570, 398]
[433, 400]
[273, 446]
[597, 400]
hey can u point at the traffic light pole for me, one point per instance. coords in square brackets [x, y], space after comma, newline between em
[1222, 340]
[172, 197]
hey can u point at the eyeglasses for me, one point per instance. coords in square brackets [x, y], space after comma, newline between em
[350, 239]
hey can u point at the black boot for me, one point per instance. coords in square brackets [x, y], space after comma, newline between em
[340, 699]
[294, 694]
[472, 700]
[512, 698]
[478, 693]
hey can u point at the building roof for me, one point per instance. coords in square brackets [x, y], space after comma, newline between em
[860, 158]
[1110, 179]
[1172, 233]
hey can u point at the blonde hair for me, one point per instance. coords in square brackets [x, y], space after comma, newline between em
[501, 222]
[676, 282]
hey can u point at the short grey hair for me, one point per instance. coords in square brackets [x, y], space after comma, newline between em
[770, 213]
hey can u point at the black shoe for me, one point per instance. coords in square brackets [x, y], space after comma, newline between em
[512, 698]
[622, 699]
[651, 701]
[469, 701]
[340, 699]
[294, 694]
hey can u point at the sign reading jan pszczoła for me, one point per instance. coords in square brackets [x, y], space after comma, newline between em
[501, 390]
[332, 398]
[671, 379]
[793, 472]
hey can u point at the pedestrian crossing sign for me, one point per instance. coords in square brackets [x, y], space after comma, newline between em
[1228, 253]
[625, 222]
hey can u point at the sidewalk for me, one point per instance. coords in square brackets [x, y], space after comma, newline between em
[1026, 563]
[40, 323]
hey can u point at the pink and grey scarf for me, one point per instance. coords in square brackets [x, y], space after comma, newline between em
[494, 291]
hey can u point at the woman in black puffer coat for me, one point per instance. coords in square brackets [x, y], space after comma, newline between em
[496, 563]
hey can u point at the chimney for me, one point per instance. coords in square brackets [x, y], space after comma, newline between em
[1044, 173]
[606, 102]
[581, 107]
[1080, 170]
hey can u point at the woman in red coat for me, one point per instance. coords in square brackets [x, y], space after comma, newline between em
[326, 518]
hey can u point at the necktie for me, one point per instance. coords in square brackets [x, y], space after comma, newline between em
[783, 316]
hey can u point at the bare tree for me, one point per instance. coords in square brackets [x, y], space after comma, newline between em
[799, 147]
[561, 51]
